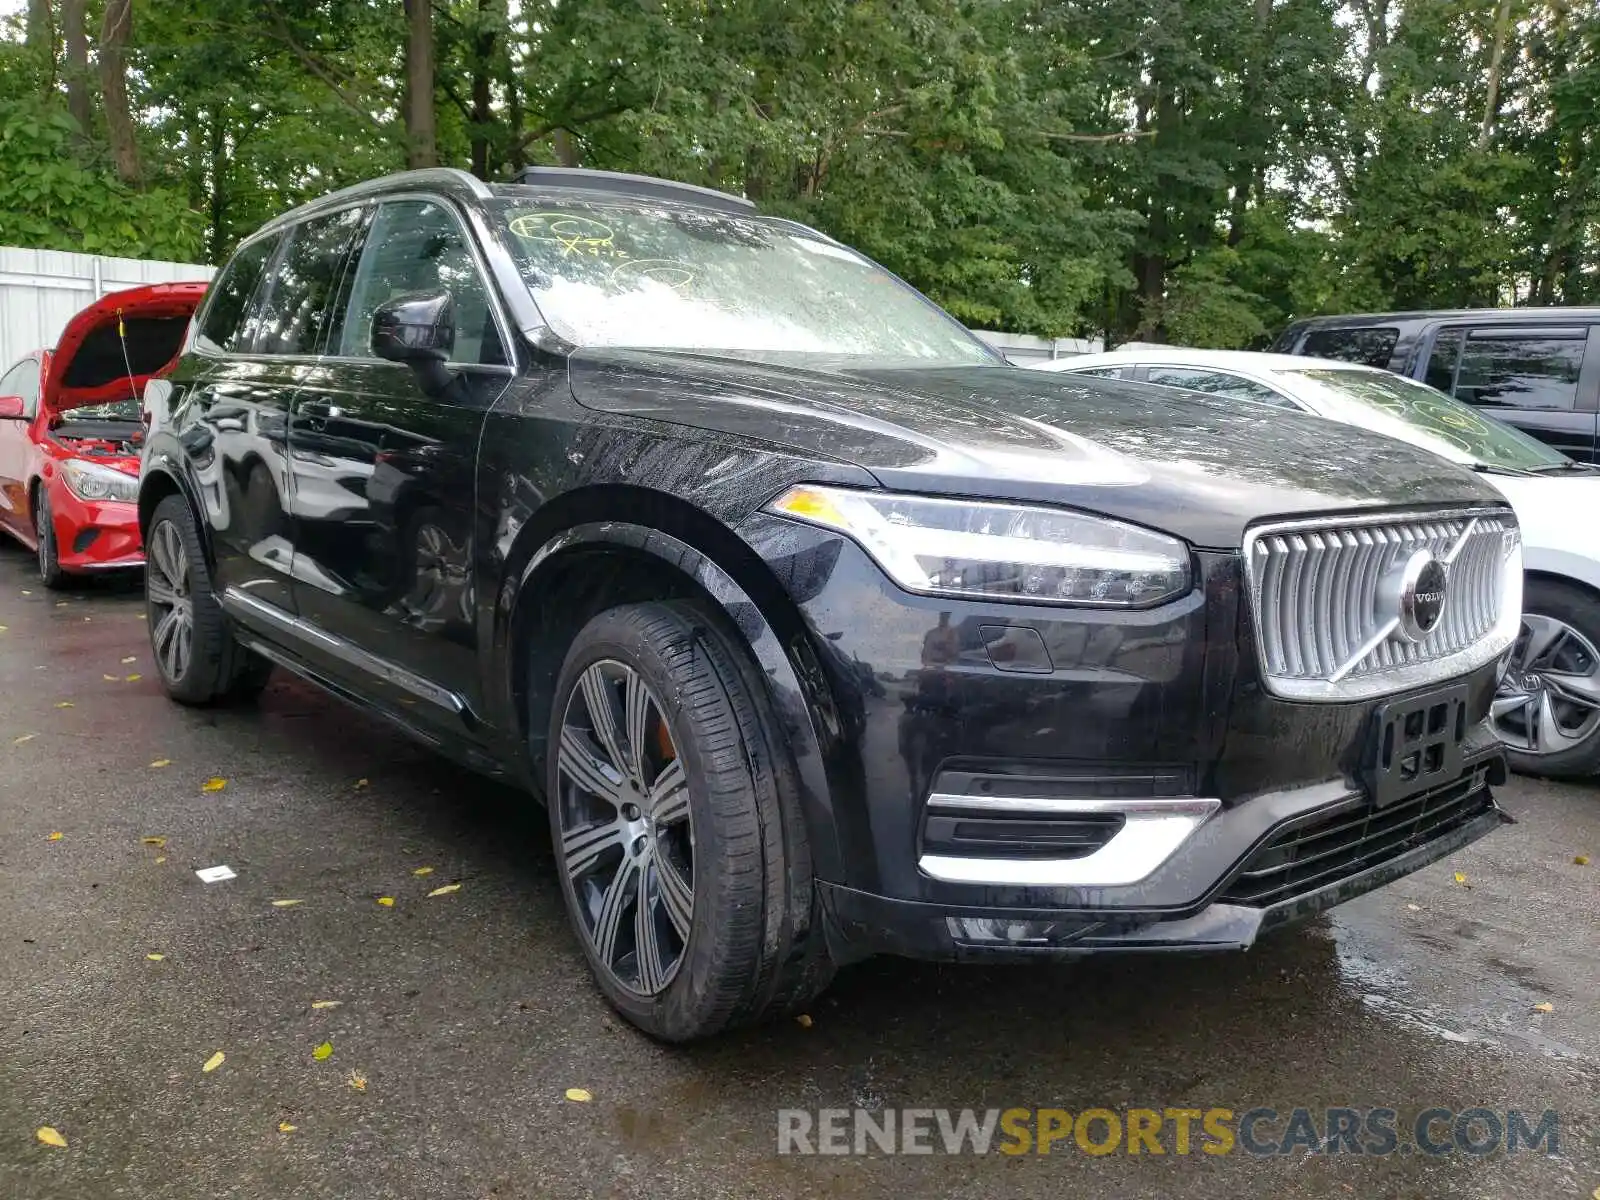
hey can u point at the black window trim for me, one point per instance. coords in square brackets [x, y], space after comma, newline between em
[203, 313]
[1588, 397]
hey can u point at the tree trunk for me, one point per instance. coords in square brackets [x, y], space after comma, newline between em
[483, 64]
[115, 32]
[42, 41]
[216, 234]
[566, 150]
[513, 86]
[77, 48]
[422, 147]
[1502, 26]
[1246, 165]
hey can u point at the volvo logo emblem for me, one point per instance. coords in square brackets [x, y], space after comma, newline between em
[1419, 593]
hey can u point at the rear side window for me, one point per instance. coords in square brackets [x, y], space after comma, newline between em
[1101, 372]
[1218, 383]
[1372, 347]
[300, 303]
[230, 317]
[1510, 368]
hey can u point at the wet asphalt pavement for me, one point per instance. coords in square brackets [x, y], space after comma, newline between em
[468, 1015]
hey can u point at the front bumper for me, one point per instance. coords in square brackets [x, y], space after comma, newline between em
[94, 535]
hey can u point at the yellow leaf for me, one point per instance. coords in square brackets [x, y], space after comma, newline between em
[445, 890]
[1460, 878]
[357, 1081]
[50, 1137]
[286, 903]
[285, 1127]
[65, 704]
[326, 1003]
[213, 1062]
[1581, 859]
[157, 842]
[803, 1021]
[361, 783]
[1544, 1007]
[27, 737]
[55, 837]
[579, 1095]
[132, 678]
[161, 860]
[213, 785]
[386, 901]
[155, 957]
[130, 658]
[323, 1051]
[423, 871]
[161, 762]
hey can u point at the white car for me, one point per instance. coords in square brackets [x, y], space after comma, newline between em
[1547, 711]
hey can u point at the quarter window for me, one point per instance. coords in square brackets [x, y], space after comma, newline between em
[231, 318]
[1101, 372]
[1218, 383]
[300, 304]
[418, 247]
[1372, 347]
[1521, 368]
[23, 380]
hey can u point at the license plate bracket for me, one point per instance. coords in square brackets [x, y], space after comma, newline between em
[1416, 743]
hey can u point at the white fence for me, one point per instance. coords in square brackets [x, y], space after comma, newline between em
[40, 290]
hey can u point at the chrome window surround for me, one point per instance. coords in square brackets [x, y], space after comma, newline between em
[1152, 832]
[1302, 664]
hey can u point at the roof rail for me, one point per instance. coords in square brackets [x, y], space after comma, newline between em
[632, 185]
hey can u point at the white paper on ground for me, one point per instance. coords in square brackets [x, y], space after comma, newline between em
[215, 874]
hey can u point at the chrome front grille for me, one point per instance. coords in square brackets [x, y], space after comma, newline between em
[1326, 609]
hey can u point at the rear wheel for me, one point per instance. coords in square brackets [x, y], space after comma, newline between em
[196, 654]
[1547, 709]
[44, 528]
[673, 810]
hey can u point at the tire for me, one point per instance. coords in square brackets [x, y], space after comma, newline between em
[754, 945]
[50, 572]
[1561, 630]
[196, 655]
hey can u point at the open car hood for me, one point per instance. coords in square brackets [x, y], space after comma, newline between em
[111, 349]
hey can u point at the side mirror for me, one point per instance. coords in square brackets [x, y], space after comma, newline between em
[12, 408]
[418, 328]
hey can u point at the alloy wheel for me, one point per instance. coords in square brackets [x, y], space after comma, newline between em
[170, 602]
[627, 839]
[1549, 699]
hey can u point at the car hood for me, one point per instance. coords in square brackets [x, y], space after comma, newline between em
[111, 349]
[1200, 468]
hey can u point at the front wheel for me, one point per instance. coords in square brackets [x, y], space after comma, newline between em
[674, 815]
[44, 527]
[197, 656]
[1547, 709]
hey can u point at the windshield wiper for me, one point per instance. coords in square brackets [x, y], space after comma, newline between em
[1553, 468]
[1483, 468]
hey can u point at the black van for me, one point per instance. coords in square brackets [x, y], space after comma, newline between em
[1537, 368]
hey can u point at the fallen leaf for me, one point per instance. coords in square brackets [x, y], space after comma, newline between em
[423, 871]
[361, 783]
[87, 619]
[161, 762]
[161, 860]
[285, 1127]
[1414, 907]
[213, 785]
[65, 704]
[27, 737]
[579, 1095]
[445, 890]
[155, 957]
[213, 1062]
[386, 901]
[326, 1003]
[142, 617]
[286, 903]
[1544, 1007]
[803, 1021]
[323, 1051]
[1595, 1195]
[26, 592]
[55, 837]
[132, 678]
[131, 658]
[1581, 859]
[357, 1081]
[158, 842]
[50, 1137]
[109, 678]
[61, 603]
[1460, 878]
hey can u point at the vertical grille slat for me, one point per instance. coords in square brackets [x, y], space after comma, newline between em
[1316, 592]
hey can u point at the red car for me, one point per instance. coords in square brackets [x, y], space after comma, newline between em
[70, 430]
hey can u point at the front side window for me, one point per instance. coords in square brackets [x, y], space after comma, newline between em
[416, 247]
[660, 277]
[1520, 368]
[1218, 383]
[1371, 347]
[231, 316]
[300, 303]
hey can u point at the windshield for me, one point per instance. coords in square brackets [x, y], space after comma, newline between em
[660, 277]
[1418, 414]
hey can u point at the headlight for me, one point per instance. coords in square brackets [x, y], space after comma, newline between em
[91, 482]
[999, 551]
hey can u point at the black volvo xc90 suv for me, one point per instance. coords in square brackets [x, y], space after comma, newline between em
[822, 631]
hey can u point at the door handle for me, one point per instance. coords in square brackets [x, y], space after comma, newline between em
[322, 410]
